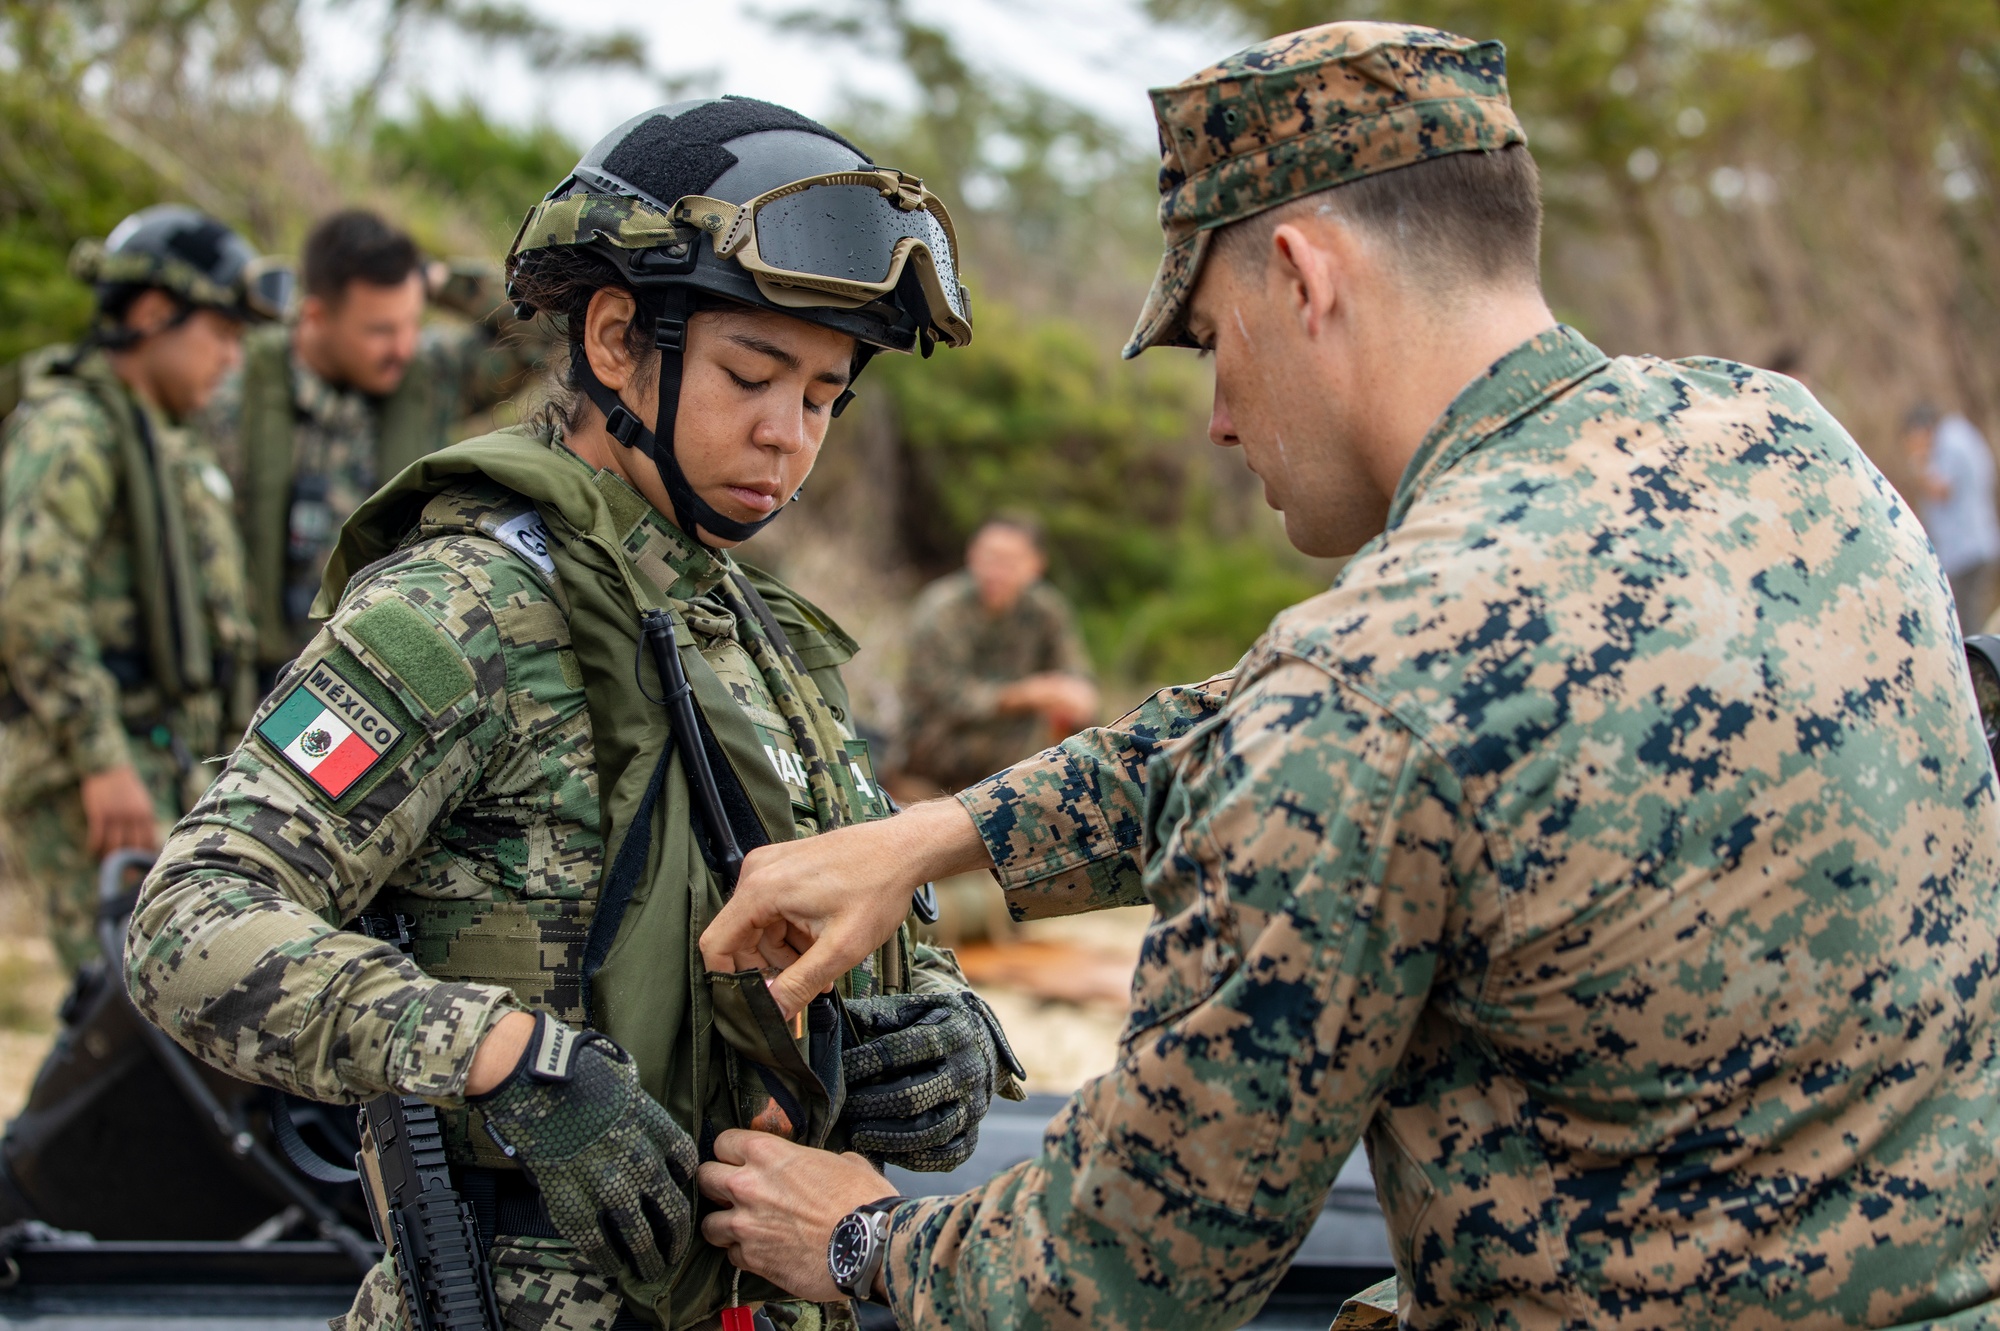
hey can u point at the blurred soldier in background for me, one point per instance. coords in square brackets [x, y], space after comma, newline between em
[1955, 501]
[996, 669]
[123, 624]
[339, 402]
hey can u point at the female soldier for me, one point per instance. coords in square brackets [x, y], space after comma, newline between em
[549, 712]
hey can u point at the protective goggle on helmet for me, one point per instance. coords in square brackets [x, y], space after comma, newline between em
[731, 200]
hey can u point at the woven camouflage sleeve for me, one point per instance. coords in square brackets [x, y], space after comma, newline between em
[1278, 987]
[58, 489]
[1064, 826]
[392, 714]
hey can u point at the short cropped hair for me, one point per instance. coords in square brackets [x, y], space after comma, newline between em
[1461, 219]
[356, 245]
[1026, 524]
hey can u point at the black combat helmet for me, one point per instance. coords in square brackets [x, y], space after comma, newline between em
[734, 200]
[189, 255]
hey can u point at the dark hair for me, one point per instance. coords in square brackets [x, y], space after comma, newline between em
[1923, 416]
[1024, 523]
[355, 245]
[116, 299]
[1463, 218]
[559, 283]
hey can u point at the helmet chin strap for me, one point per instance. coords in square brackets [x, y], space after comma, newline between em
[690, 509]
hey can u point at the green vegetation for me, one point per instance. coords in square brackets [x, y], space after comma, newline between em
[492, 171]
[61, 176]
[1738, 177]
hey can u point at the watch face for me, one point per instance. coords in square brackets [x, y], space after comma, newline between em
[848, 1249]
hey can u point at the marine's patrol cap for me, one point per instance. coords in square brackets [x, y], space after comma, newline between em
[1301, 113]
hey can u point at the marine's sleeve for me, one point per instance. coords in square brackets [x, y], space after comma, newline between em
[1063, 827]
[390, 717]
[1308, 849]
[58, 488]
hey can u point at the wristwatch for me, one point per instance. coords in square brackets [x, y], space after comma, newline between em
[860, 1241]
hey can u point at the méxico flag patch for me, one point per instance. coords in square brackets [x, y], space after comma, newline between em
[329, 731]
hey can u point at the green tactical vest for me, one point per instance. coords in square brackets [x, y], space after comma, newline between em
[405, 431]
[656, 893]
[166, 581]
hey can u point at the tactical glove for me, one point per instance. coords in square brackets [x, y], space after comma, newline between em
[922, 1077]
[613, 1167]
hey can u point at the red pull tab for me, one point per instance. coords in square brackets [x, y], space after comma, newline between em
[738, 1319]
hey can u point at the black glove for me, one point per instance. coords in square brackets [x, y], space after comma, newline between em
[614, 1168]
[923, 1075]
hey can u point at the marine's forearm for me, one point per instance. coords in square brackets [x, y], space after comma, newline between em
[1078, 1238]
[1064, 826]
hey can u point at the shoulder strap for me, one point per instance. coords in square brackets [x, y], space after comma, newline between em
[177, 647]
[267, 427]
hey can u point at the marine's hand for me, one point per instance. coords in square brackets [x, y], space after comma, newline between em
[923, 1077]
[118, 812]
[613, 1166]
[781, 1203]
[816, 907]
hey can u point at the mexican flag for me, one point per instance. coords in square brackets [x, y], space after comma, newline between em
[315, 740]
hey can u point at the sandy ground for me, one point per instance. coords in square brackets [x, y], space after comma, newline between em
[31, 987]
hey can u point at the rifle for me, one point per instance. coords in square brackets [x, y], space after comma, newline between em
[428, 1227]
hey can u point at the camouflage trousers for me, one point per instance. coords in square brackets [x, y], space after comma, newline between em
[541, 1285]
[48, 845]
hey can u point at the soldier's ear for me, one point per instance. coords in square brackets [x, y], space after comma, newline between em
[151, 311]
[606, 332]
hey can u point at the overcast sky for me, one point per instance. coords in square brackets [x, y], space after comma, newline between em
[1102, 54]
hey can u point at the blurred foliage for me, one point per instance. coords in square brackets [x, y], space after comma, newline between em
[1729, 176]
[1041, 416]
[1055, 210]
[494, 170]
[61, 177]
[1755, 178]
[547, 46]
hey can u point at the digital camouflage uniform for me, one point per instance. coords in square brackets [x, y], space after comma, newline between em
[344, 443]
[960, 658]
[79, 694]
[1612, 848]
[476, 812]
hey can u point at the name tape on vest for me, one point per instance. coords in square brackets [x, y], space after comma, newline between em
[329, 731]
